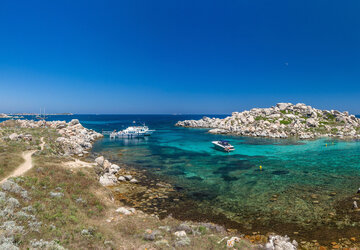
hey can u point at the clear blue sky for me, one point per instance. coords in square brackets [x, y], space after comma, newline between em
[171, 56]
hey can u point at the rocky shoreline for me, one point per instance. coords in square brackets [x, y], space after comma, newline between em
[283, 121]
[75, 140]
[135, 189]
[2, 115]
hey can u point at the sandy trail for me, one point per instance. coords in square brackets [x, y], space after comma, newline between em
[26, 165]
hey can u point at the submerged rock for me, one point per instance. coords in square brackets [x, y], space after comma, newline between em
[355, 205]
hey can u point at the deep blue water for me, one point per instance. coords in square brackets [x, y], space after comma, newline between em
[297, 172]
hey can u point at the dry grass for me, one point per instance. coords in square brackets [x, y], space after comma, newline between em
[64, 218]
[84, 204]
[9, 162]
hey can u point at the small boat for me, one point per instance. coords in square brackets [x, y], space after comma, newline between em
[223, 145]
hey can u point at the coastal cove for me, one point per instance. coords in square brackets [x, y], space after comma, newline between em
[304, 187]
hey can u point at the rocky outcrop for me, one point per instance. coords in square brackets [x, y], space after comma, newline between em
[110, 174]
[15, 137]
[282, 121]
[4, 115]
[107, 171]
[74, 139]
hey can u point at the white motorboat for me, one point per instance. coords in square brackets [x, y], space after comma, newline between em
[223, 145]
[133, 131]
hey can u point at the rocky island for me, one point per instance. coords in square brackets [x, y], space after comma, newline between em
[2, 115]
[282, 121]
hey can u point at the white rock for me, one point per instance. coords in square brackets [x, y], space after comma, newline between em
[73, 122]
[13, 136]
[311, 122]
[281, 243]
[114, 169]
[134, 180]
[283, 106]
[107, 179]
[121, 178]
[128, 177]
[180, 234]
[124, 210]
[106, 164]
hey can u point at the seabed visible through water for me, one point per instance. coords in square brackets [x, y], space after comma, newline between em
[305, 188]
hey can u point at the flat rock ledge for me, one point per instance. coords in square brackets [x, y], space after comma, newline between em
[282, 121]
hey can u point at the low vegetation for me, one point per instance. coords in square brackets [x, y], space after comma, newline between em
[55, 207]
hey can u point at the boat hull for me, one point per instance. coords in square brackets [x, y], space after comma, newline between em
[222, 147]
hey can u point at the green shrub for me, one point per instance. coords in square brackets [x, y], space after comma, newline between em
[285, 122]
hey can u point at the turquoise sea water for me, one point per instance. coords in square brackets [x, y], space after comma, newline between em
[304, 186]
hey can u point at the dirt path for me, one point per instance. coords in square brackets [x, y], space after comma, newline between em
[26, 165]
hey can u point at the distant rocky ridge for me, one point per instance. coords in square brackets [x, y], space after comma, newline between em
[4, 115]
[282, 121]
[74, 140]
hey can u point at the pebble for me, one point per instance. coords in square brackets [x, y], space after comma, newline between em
[315, 202]
[134, 181]
[128, 177]
[121, 178]
[332, 194]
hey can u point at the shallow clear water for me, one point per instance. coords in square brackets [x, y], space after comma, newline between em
[301, 174]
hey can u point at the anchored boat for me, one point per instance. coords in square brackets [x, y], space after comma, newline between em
[133, 131]
[223, 145]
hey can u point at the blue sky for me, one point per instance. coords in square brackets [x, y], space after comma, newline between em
[178, 56]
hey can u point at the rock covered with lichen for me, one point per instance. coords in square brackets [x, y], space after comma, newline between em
[282, 121]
